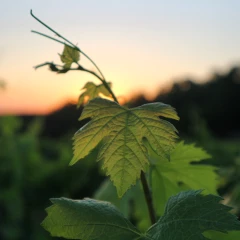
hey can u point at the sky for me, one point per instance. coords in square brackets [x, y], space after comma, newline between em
[140, 46]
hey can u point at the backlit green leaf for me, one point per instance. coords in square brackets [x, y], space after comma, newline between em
[87, 219]
[234, 235]
[92, 91]
[70, 55]
[165, 178]
[169, 178]
[121, 132]
[189, 214]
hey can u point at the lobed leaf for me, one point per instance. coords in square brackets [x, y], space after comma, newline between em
[169, 178]
[234, 235]
[87, 219]
[92, 91]
[121, 132]
[189, 214]
[70, 55]
[165, 178]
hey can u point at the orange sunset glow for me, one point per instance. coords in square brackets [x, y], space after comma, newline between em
[139, 47]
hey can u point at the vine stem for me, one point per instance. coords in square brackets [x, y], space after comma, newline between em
[148, 198]
[146, 190]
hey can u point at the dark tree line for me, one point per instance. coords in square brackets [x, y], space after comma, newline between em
[217, 102]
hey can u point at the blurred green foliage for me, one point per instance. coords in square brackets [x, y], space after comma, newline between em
[225, 155]
[33, 169]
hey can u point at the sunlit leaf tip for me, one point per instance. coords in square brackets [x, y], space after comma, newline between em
[91, 91]
[70, 55]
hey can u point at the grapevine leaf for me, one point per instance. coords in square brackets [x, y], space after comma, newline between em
[121, 131]
[234, 235]
[169, 178]
[92, 91]
[163, 186]
[70, 55]
[87, 219]
[189, 214]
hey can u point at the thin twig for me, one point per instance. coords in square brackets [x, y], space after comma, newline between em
[54, 39]
[94, 64]
[59, 35]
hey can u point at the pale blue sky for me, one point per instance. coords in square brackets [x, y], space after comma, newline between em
[139, 45]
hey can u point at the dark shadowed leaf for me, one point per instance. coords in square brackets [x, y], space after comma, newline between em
[189, 214]
[87, 219]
